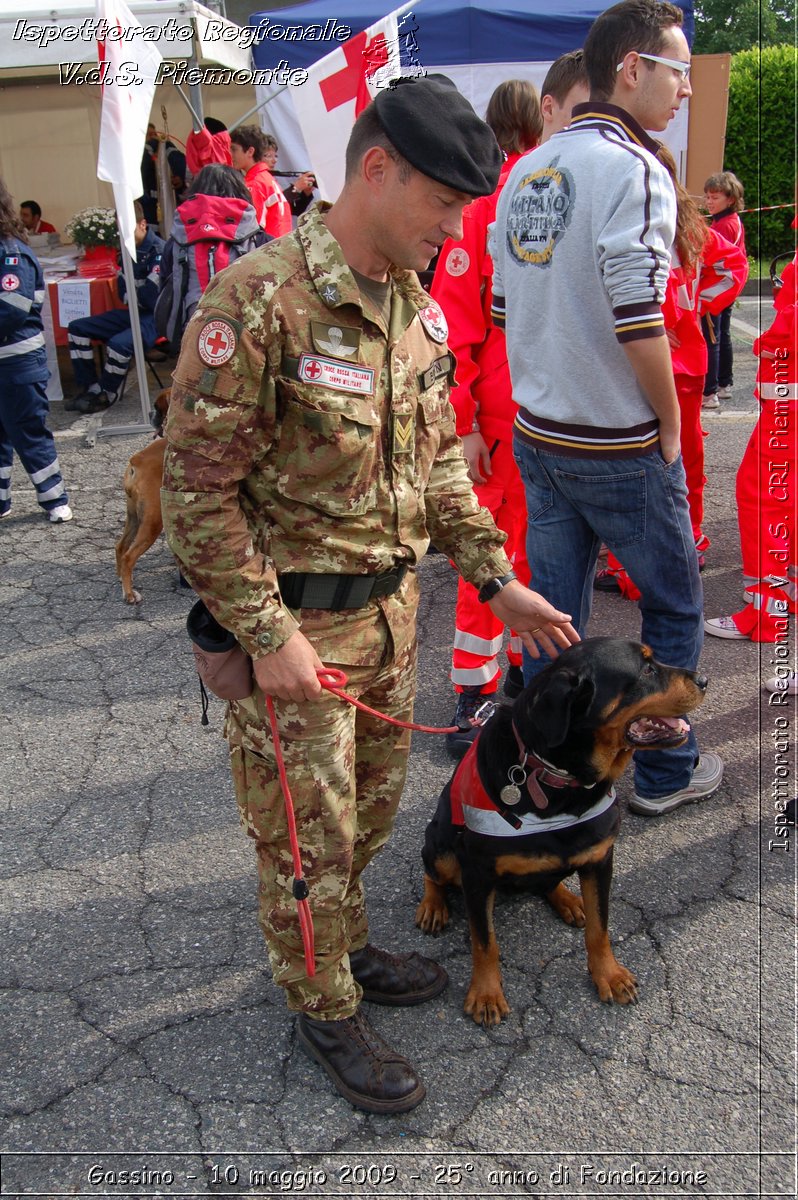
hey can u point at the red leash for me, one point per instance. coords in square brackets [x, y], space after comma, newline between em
[299, 888]
[334, 681]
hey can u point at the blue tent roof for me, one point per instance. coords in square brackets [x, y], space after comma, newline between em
[449, 32]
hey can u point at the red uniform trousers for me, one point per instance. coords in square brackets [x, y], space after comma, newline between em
[690, 389]
[478, 634]
[767, 484]
[767, 501]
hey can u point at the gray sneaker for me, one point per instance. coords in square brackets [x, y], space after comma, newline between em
[706, 779]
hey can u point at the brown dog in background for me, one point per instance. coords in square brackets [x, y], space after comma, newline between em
[142, 484]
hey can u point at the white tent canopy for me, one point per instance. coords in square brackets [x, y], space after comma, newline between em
[36, 40]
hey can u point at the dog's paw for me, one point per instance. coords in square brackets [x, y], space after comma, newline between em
[432, 916]
[134, 597]
[486, 1006]
[615, 983]
[567, 905]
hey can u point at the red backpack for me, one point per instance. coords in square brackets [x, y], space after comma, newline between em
[208, 233]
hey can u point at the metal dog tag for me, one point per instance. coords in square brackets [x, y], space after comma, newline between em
[510, 794]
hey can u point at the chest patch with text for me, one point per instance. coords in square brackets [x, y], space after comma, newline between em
[340, 376]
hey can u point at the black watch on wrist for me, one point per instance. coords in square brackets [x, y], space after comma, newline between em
[494, 586]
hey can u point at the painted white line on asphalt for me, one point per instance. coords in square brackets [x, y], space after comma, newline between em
[743, 327]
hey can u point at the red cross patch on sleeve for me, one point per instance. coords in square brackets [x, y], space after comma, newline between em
[216, 343]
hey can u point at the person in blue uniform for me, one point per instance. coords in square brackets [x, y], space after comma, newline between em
[113, 328]
[23, 372]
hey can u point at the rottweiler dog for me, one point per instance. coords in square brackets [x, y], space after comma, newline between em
[533, 802]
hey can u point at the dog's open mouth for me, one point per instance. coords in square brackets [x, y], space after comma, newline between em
[657, 733]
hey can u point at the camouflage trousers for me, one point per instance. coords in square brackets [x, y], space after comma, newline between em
[346, 771]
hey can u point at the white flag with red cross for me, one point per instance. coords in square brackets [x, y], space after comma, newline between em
[340, 85]
[129, 66]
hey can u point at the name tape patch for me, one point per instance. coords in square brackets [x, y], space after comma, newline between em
[441, 366]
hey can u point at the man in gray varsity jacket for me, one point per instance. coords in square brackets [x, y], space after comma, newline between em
[581, 250]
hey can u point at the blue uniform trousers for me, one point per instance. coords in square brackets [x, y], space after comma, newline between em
[113, 328]
[23, 428]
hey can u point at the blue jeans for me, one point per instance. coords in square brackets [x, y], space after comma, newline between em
[720, 353]
[638, 507]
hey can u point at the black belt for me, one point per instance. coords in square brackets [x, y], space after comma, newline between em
[336, 592]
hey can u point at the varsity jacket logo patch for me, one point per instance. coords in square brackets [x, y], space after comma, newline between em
[540, 212]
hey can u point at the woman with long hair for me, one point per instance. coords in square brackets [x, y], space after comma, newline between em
[23, 372]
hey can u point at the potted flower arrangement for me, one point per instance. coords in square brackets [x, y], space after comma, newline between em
[95, 229]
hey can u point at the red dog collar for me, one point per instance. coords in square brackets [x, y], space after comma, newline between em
[472, 807]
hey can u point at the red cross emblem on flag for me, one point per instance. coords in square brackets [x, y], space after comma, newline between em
[216, 344]
[363, 59]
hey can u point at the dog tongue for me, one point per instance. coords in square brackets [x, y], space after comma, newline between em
[539, 798]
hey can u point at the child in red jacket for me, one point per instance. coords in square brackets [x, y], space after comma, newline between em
[723, 197]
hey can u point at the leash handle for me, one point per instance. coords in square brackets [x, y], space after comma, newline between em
[300, 888]
[334, 681]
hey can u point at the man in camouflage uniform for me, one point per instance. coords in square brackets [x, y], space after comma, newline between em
[312, 455]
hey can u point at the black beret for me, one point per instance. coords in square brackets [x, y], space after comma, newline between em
[435, 128]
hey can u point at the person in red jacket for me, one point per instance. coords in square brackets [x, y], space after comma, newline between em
[707, 274]
[250, 148]
[767, 489]
[723, 198]
[30, 214]
[483, 400]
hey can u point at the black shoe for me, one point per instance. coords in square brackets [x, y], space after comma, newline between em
[396, 979]
[468, 701]
[73, 404]
[364, 1069]
[513, 682]
[92, 402]
[606, 580]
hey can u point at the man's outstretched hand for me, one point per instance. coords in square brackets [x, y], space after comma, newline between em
[539, 625]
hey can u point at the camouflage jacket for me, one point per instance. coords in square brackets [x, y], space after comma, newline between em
[304, 435]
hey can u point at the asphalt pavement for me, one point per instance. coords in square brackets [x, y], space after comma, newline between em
[147, 1052]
